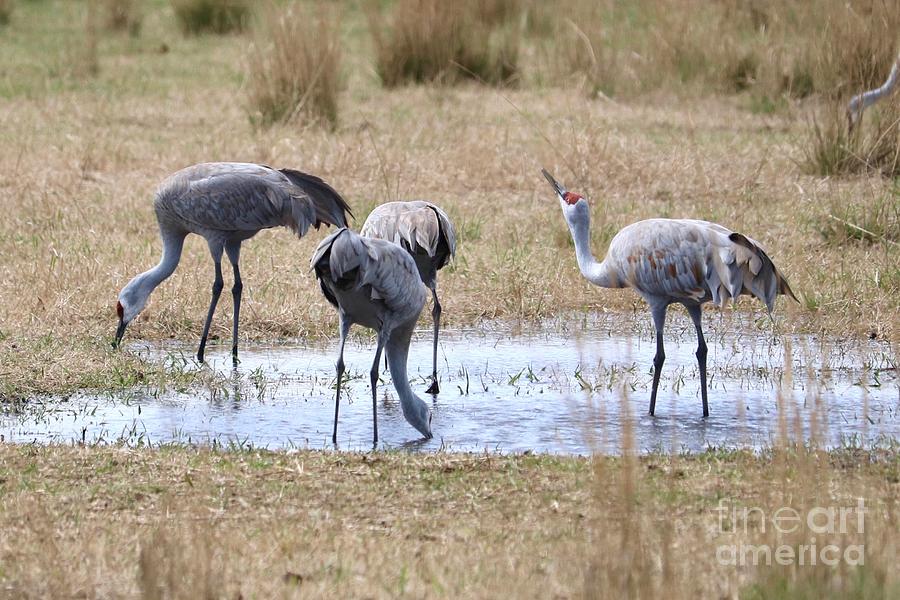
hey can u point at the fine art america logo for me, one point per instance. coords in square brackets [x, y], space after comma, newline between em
[829, 523]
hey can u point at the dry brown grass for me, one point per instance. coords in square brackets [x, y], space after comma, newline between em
[86, 60]
[871, 147]
[294, 68]
[181, 522]
[653, 535]
[773, 49]
[214, 16]
[446, 42]
[860, 47]
[6, 9]
[177, 523]
[123, 15]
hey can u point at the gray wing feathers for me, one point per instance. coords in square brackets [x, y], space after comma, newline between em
[221, 200]
[695, 260]
[323, 248]
[249, 197]
[393, 278]
[669, 264]
[385, 269]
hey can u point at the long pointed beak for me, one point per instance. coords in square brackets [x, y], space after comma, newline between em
[120, 332]
[556, 186]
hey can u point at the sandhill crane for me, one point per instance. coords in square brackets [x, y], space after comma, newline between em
[860, 102]
[670, 261]
[374, 283]
[227, 203]
[426, 232]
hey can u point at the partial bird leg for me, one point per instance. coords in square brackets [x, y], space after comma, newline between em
[659, 321]
[218, 284]
[436, 314]
[345, 329]
[373, 379]
[695, 312]
[233, 250]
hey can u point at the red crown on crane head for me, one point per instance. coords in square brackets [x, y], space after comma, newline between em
[572, 197]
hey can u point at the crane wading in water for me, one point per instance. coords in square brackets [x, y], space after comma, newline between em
[227, 203]
[426, 232]
[374, 283]
[670, 261]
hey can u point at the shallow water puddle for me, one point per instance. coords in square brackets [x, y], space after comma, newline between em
[545, 389]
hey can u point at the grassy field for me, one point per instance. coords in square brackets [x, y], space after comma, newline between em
[91, 120]
[185, 523]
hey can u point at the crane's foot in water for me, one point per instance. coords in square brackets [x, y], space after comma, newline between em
[434, 389]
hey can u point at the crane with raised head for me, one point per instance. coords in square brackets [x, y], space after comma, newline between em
[674, 261]
[227, 203]
[376, 284]
[425, 231]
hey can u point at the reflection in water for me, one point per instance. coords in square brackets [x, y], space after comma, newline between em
[546, 389]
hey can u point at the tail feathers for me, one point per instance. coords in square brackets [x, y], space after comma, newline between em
[327, 205]
[785, 289]
[745, 268]
[448, 232]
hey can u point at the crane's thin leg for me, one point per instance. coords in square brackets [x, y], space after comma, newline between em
[436, 314]
[373, 379]
[345, 329]
[218, 284]
[695, 312]
[659, 321]
[234, 255]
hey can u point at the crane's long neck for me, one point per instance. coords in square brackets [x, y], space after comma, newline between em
[149, 280]
[886, 88]
[862, 101]
[596, 272]
[415, 411]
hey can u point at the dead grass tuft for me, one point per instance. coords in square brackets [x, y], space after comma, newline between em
[873, 146]
[123, 15]
[6, 9]
[88, 58]
[447, 42]
[212, 16]
[294, 66]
